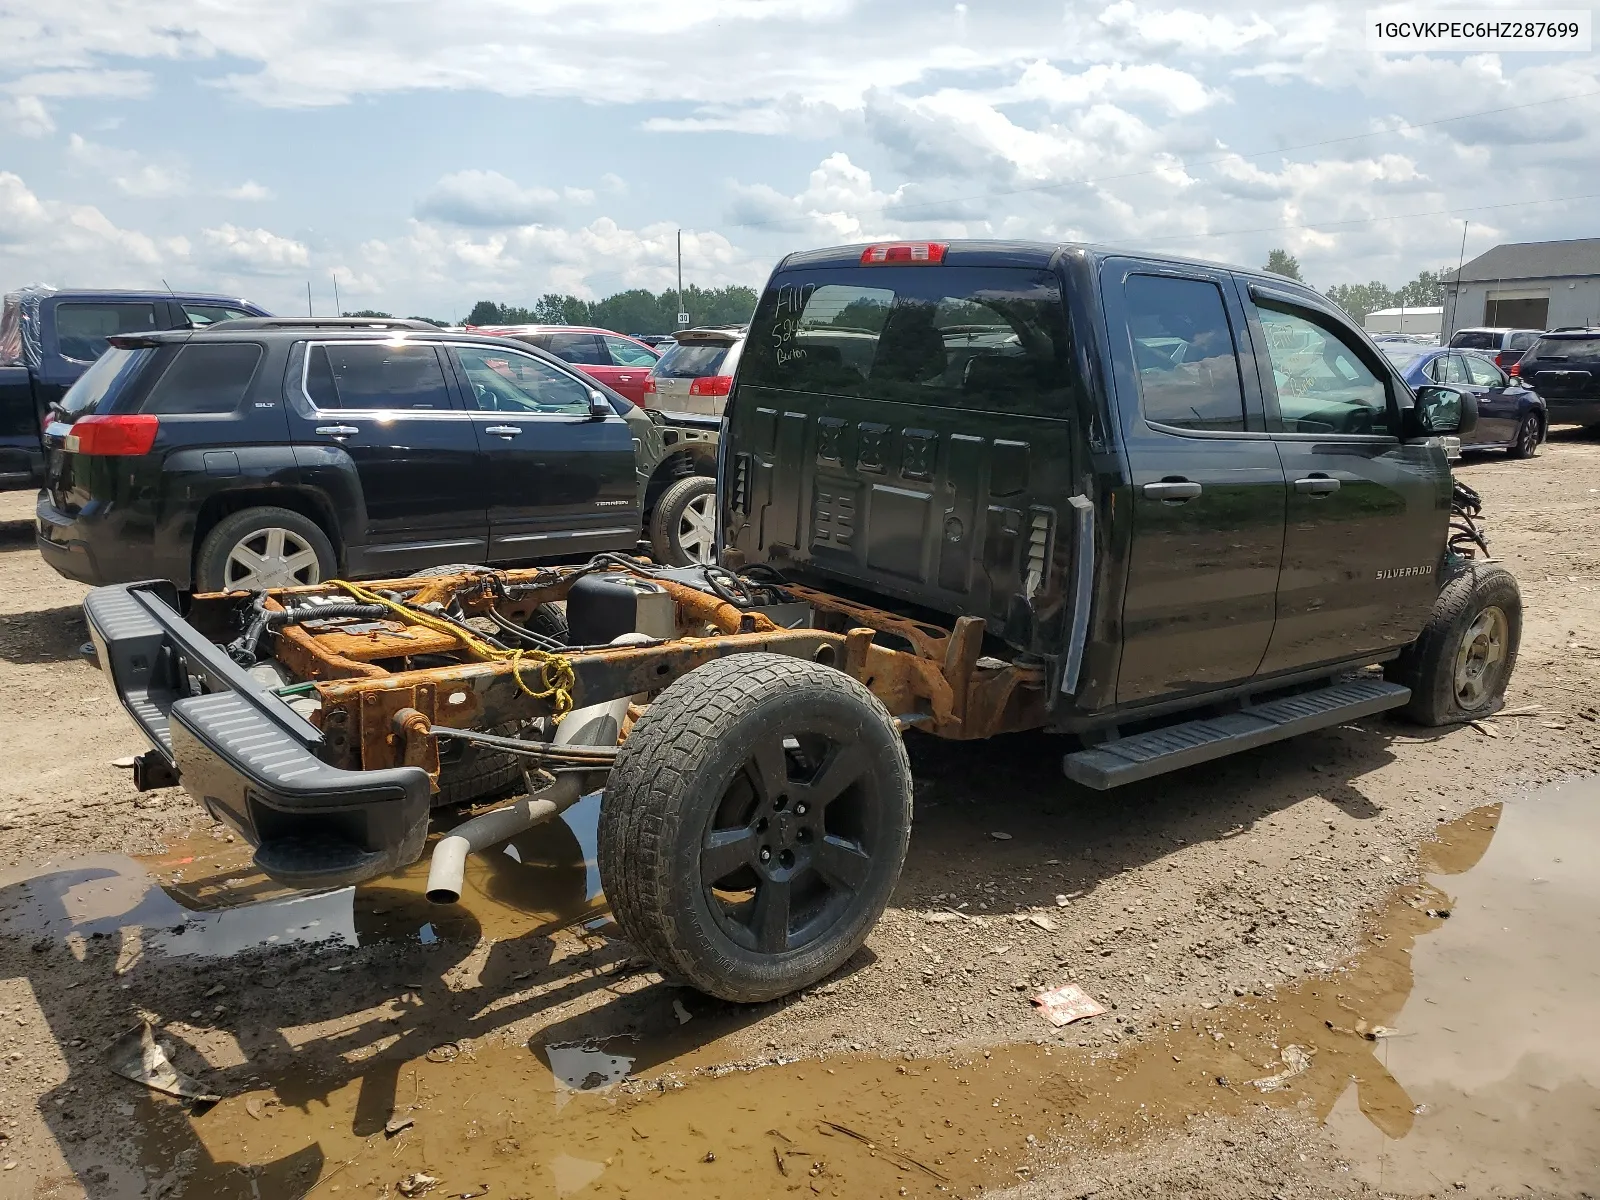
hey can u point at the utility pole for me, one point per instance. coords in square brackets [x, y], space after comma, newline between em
[309, 313]
[683, 312]
[337, 311]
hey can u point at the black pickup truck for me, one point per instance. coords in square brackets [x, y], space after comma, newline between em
[1165, 509]
[48, 338]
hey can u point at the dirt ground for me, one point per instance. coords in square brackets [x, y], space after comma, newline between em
[1218, 886]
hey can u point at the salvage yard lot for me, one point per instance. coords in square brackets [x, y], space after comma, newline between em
[1230, 879]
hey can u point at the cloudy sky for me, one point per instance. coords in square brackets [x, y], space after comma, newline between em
[428, 154]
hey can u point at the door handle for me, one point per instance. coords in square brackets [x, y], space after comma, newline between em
[505, 431]
[1171, 490]
[338, 431]
[1316, 485]
[625, 378]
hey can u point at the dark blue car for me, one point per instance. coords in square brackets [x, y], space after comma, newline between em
[1511, 417]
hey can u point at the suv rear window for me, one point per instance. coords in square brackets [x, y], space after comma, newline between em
[209, 314]
[1475, 339]
[369, 377]
[1521, 341]
[101, 383]
[209, 378]
[692, 361]
[82, 329]
[1586, 348]
[582, 348]
[987, 338]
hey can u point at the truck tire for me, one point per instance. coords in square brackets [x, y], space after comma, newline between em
[264, 547]
[468, 772]
[755, 824]
[683, 525]
[1459, 666]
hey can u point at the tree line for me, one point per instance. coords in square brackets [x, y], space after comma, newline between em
[1359, 299]
[634, 311]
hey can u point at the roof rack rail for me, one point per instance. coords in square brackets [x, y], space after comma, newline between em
[239, 324]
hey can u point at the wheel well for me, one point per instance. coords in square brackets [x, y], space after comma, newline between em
[225, 504]
[675, 467]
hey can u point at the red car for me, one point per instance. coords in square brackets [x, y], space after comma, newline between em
[616, 361]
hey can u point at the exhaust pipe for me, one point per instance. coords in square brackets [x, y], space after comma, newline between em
[596, 725]
[447, 869]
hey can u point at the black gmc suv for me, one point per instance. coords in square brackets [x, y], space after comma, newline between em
[279, 451]
[1563, 366]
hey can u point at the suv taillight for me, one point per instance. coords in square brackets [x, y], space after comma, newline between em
[649, 385]
[711, 385]
[133, 433]
[1515, 369]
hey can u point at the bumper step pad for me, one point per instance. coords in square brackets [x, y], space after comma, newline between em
[1143, 755]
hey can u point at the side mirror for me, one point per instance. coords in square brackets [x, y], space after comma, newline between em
[1443, 410]
[599, 406]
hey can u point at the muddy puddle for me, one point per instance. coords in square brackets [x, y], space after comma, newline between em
[1459, 1045]
[202, 897]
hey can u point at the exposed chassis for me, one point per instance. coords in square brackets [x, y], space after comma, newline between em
[939, 683]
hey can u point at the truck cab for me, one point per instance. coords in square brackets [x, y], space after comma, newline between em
[1169, 482]
[48, 338]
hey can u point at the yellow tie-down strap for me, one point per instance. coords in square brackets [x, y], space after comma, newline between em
[555, 670]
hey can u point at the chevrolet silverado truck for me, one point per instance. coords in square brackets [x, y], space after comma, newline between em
[49, 338]
[1165, 509]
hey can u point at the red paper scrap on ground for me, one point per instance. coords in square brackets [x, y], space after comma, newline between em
[1066, 1004]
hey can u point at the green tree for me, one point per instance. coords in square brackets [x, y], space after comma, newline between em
[367, 312]
[430, 321]
[1425, 291]
[1359, 299]
[1281, 262]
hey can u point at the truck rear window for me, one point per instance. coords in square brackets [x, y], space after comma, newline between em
[1475, 339]
[988, 338]
[82, 328]
[100, 384]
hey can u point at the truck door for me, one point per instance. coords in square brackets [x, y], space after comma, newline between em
[1367, 513]
[1208, 486]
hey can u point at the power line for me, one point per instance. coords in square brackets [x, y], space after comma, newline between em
[1068, 183]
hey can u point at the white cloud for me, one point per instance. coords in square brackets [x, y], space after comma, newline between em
[131, 173]
[248, 190]
[254, 251]
[1177, 91]
[490, 199]
[77, 244]
[26, 115]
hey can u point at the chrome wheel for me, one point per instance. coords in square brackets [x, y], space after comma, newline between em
[1481, 659]
[1528, 438]
[271, 558]
[697, 528]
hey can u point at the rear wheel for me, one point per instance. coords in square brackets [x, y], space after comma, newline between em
[258, 548]
[1459, 667]
[683, 526]
[755, 825]
[1526, 444]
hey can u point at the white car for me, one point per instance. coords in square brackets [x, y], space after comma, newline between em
[695, 375]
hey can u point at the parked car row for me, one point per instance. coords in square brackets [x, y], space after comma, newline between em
[272, 451]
